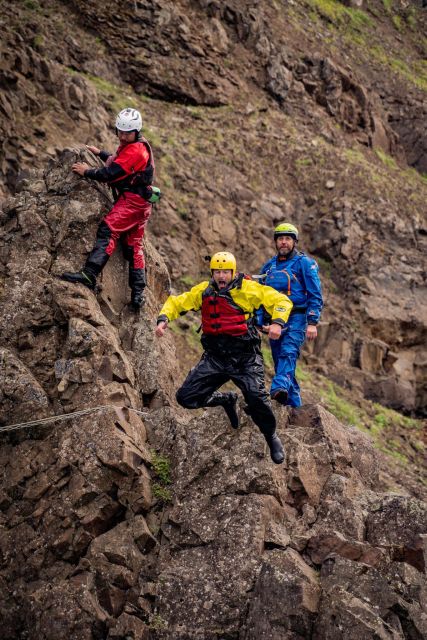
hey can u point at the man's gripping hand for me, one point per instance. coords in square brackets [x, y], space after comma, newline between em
[161, 328]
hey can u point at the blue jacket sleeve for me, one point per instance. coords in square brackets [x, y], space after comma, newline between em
[310, 271]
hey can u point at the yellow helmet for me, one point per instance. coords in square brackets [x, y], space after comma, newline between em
[223, 260]
[286, 229]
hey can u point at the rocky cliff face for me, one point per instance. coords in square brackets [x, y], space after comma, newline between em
[141, 521]
[313, 111]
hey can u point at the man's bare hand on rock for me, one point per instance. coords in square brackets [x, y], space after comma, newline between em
[94, 150]
[161, 328]
[80, 168]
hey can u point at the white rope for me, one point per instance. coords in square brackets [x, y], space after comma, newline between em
[65, 416]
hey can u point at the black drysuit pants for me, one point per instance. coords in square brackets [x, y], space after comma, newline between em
[246, 370]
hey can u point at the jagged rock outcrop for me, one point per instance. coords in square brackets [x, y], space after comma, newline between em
[244, 543]
[303, 117]
[94, 546]
[74, 494]
[175, 52]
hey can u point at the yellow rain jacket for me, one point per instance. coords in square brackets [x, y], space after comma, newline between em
[233, 306]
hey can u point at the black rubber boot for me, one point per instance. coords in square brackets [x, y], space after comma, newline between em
[137, 299]
[229, 402]
[276, 449]
[281, 396]
[80, 277]
[137, 283]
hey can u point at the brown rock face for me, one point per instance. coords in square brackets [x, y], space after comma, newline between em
[235, 547]
[75, 493]
[259, 112]
[94, 544]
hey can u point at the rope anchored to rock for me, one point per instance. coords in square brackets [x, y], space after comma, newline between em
[65, 416]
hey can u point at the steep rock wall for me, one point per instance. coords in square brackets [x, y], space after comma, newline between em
[93, 546]
[262, 111]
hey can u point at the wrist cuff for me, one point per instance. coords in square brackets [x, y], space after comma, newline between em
[277, 321]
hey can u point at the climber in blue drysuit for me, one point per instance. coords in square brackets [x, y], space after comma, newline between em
[297, 275]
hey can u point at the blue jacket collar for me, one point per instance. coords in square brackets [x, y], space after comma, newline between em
[290, 255]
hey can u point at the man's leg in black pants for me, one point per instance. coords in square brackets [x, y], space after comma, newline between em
[200, 388]
[249, 378]
[96, 260]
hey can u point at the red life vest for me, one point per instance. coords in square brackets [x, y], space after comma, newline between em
[221, 315]
[137, 160]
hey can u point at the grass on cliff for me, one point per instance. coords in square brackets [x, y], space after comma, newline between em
[391, 432]
[116, 97]
[338, 14]
[369, 35]
[162, 470]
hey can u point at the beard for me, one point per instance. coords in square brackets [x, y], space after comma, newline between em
[284, 251]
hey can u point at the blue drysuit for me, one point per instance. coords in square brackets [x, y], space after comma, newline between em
[297, 276]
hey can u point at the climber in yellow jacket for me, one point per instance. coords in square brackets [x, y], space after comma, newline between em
[231, 344]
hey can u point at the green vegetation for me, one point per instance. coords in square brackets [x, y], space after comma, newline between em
[417, 75]
[383, 425]
[415, 177]
[398, 23]
[187, 280]
[340, 15]
[162, 494]
[38, 41]
[301, 373]
[197, 112]
[409, 15]
[325, 266]
[386, 159]
[384, 416]
[157, 622]
[33, 5]
[151, 134]
[267, 357]
[303, 162]
[118, 98]
[161, 468]
[410, 18]
[340, 407]
[357, 28]
[355, 156]
[190, 335]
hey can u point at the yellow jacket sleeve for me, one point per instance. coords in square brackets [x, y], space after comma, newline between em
[276, 304]
[176, 306]
[253, 294]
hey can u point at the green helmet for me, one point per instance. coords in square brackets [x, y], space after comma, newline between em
[286, 229]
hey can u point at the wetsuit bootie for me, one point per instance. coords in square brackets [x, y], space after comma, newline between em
[137, 283]
[137, 299]
[281, 396]
[230, 407]
[276, 449]
[80, 277]
[229, 402]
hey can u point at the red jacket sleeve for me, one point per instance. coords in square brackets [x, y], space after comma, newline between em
[133, 157]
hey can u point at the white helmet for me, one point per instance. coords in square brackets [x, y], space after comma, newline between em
[129, 120]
